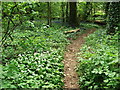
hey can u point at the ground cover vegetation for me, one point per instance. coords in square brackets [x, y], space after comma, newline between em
[33, 43]
[99, 62]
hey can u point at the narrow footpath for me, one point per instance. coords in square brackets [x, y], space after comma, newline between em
[70, 61]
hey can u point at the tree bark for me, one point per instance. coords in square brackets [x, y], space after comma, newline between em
[73, 15]
[94, 11]
[63, 15]
[87, 11]
[113, 18]
[49, 13]
[67, 9]
[106, 8]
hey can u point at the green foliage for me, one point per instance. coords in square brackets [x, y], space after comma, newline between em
[38, 40]
[41, 70]
[31, 53]
[99, 64]
[88, 25]
[36, 60]
[113, 18]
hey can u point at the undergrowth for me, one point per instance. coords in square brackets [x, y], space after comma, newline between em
[98, 62]
[33, 59]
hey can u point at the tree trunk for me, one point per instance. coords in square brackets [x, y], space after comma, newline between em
[94, 11]
[87, 11]
[73, 15]
[49, 13]
[67, 9]
[63, 15]
[106, 10]
[91, 7]
[113, 17]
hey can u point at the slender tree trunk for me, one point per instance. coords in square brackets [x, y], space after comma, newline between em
[73, 22]
[49, 13]
[106, 9]
[91, 7]
[94, 11]
[63, 15]
[87, 11]
[67, 13]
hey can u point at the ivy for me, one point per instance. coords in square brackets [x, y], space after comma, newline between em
[113, 17]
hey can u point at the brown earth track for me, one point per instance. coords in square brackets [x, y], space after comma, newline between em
[70, 62]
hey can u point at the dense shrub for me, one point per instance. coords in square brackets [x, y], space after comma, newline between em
[99, 65]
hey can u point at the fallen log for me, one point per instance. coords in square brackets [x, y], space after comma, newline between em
[72, 31]
[100, 22]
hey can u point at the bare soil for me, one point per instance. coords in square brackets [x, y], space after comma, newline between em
[70, 62]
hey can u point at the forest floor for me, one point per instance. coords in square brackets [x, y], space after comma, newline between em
[70, 61]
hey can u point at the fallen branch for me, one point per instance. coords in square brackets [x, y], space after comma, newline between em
[72, 31]
[100, 22]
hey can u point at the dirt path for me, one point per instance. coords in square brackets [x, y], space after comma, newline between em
[70, 63]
